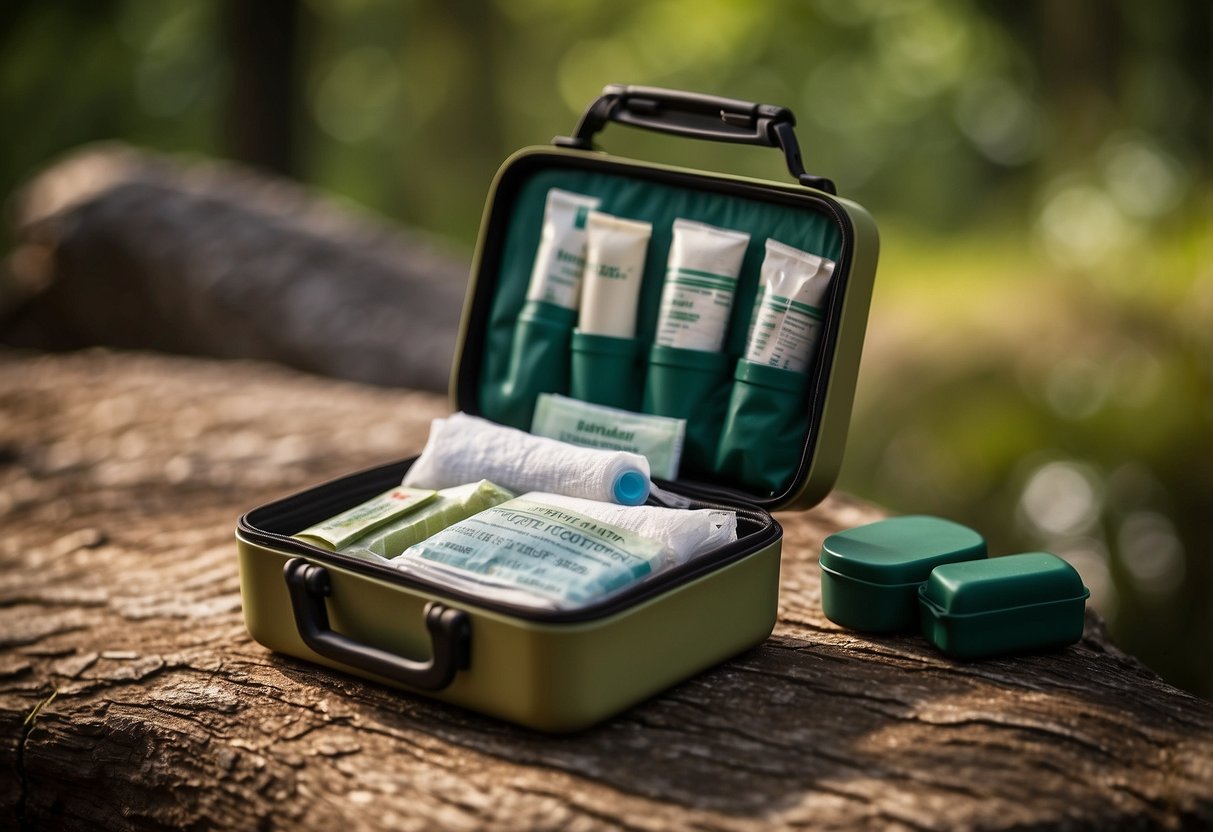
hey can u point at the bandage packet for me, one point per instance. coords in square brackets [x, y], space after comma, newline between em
[534, 552]
[350, 525]
[449, 507]
[528, 549]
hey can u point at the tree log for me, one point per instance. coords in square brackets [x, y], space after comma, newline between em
[131, 696]
[124, 248]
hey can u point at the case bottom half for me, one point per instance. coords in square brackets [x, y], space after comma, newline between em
[553, 676]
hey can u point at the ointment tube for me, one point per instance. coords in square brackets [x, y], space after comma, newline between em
[614, 269]
[539, 350]
[788, 316]
[700, 282]
[560, 259]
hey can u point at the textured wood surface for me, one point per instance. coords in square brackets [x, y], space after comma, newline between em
[131, 696]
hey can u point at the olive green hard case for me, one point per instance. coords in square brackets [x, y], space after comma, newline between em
[566, 670]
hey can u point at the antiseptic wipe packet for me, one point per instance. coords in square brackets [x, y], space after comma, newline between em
[657, 438]
[531, 551]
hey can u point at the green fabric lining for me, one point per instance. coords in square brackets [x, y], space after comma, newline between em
[764, 418]
[604, 370]
[659, 203]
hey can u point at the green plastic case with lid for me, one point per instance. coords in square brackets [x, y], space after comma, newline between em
[870, 575]
[565, 670]
[1009, 604]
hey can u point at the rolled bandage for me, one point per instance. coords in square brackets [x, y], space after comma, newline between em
[464, 448]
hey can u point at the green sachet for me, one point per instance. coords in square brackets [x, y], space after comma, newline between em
[450, 506]
[357, 522]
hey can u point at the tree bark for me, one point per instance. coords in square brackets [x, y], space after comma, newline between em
[131, 696]
[264, 102]
[123, 248]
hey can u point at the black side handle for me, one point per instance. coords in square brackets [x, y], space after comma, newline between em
[697, 116]
[450, 633]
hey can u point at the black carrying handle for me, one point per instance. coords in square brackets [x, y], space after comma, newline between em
[697, 116]
[450, 633]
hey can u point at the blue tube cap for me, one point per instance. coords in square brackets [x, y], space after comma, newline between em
[631, 488]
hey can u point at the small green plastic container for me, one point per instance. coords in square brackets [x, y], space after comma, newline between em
[870, 575]
[1011, 604]
[604, 370]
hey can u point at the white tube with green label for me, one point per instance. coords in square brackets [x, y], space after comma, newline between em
[786, 326]
[560, 259]
[614, 269]
[700, 283]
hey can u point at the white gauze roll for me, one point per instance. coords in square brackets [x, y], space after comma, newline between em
[464, 448]
[685, 533]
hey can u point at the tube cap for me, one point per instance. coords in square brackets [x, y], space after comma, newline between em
[631, 488]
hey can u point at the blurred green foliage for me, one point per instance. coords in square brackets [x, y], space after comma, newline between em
[1040, 354]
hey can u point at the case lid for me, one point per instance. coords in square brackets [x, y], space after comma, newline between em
[900, 550]
[494, 377]
[1002, 583]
